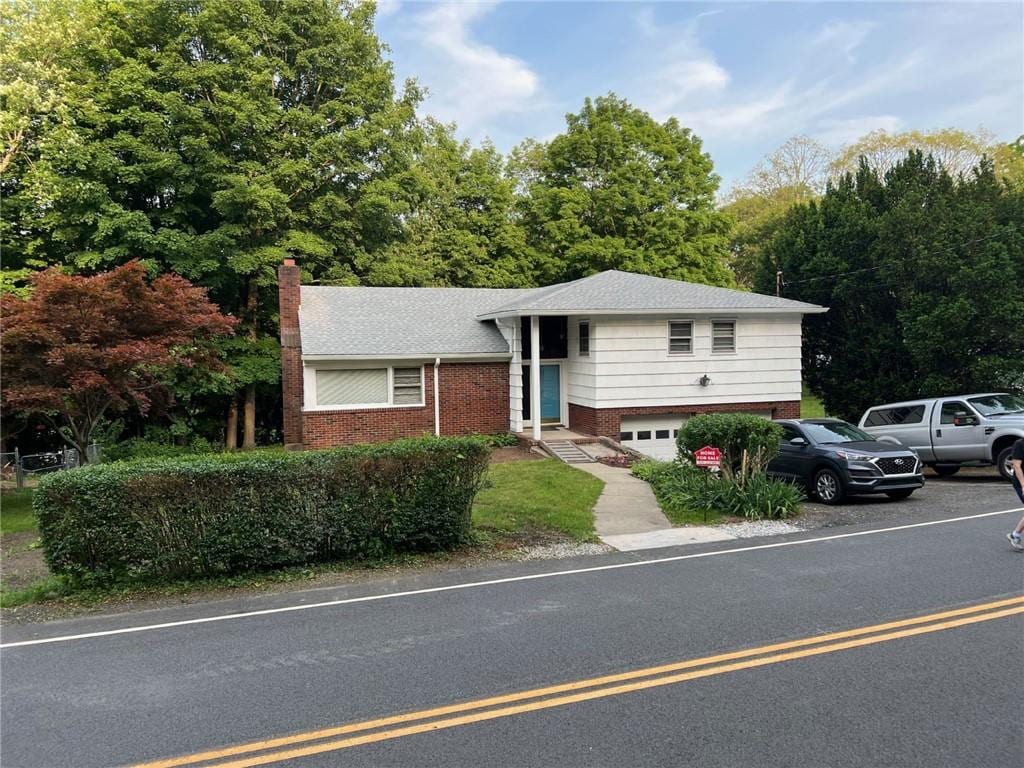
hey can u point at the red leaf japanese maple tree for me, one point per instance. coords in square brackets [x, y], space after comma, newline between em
[79, 348]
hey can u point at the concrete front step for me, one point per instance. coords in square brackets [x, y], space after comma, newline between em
[567, 451]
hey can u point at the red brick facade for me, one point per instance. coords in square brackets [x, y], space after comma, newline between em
[606, 421]
[474, 399]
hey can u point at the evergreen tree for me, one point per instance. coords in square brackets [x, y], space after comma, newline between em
[922, 274]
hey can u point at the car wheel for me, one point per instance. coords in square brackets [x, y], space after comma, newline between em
[828, 487]
[946, 470]
[902, 494]
[1004, 462]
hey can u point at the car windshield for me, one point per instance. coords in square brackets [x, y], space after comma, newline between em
[998, 405]
[834, 432]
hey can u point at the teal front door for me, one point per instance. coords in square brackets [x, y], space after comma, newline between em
[550, 393]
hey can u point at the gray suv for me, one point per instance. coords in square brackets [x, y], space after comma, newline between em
[948, 432]
[833, 460]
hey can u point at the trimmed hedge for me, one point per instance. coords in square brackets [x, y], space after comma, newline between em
[732, 433]
[230, 513]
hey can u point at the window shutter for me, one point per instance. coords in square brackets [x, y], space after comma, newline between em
[723, 336]
[408, 386]
[680, 338]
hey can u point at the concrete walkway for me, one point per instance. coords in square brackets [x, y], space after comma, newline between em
[627, 515]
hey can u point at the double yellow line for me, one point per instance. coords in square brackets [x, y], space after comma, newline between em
[396, 726]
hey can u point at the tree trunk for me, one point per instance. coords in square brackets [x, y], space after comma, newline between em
[249, 424]
[231, 435]
[249, 430]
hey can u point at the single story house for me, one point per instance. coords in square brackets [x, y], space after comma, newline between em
[618, 354]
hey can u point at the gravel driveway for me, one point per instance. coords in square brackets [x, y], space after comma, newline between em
[969, 492]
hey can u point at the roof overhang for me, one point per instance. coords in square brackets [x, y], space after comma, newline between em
[479, 357]
[808, 309]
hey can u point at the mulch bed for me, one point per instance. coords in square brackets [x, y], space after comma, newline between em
[512, 453]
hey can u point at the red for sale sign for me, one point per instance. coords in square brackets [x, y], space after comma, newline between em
[708, 456]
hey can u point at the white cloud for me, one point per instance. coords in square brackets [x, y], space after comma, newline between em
[388, 7]
[682, 67]
[743, 116]
[839, 132]
[470, 82]
[847, 36]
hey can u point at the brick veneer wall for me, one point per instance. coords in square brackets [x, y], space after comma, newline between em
[607, 421]
[474, 399]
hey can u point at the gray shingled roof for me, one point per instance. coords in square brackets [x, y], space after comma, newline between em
[400, 321]
[615, 291]
[425, 322]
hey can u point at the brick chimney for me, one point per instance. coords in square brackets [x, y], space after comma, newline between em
[291, 351]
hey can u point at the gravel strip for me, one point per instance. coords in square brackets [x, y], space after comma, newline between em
[754, 528]
[563, 549]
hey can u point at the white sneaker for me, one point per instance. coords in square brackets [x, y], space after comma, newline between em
[1015, 542]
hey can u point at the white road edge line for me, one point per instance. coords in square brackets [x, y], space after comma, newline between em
[492, 582]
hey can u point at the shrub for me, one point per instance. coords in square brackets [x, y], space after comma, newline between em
[153, 448]
[502, 440]
[223, 514]
[732, 433]
[682, 489]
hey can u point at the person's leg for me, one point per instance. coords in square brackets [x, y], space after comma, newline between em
[1015, 537]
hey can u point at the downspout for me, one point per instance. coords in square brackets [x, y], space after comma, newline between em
[437, 398]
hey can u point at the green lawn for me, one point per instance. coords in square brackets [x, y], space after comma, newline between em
[16, 511]
[547, 495]
[810, 406]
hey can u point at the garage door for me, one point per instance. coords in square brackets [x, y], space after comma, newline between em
[654, 436]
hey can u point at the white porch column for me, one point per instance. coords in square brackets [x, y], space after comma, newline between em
[535, 375]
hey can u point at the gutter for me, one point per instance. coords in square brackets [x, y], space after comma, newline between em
[805, 309]
[437, 398]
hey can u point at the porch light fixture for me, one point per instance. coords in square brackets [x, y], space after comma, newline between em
[704, 380]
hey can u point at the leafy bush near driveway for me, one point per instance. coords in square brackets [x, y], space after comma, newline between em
[683, 490]
[732, 433]
[230, 513]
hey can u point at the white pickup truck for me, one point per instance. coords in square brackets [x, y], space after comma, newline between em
[948, 432]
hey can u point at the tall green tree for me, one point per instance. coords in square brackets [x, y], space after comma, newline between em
[618, 190]
[956, 150]
[796, 172]
[922, 273]
[461, 228]
[212, 138]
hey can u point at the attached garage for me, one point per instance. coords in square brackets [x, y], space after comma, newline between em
[654, 436]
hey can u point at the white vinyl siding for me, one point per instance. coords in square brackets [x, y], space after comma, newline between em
[680, 337]
[723, 336]
[632, 366]
[360, 387]
[408, 386]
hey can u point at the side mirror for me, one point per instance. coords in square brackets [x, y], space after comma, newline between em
[964, 420]
[798, 441]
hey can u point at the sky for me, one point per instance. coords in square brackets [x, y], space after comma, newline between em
[744, 76]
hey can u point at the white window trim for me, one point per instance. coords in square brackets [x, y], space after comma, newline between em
[693, 334]
[580, 324]
[390, 404]
[735, 335]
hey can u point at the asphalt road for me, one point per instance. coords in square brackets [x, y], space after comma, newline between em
[943, 687]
